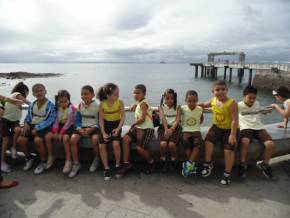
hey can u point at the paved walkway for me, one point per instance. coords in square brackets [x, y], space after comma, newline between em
[138, 195]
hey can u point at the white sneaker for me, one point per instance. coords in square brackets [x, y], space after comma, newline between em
[14, 153]
[5, 168]
[67, 166]
[94, 165]
[28, 164]
[40, 168]
[50, 162]
[74, 171]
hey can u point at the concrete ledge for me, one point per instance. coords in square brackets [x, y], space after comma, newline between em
[281, 138]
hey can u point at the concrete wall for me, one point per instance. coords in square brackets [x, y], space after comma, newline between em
[271, 79]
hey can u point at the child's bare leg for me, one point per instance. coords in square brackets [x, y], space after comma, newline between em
[48, 141]
[229, 159]
[144, 153]
[104, 155]
[245, 142]
[269, 150]
[126, 148]
[209, 147]
[117, 152]
[188, 153]
[40, 145]
[66, 142]
[74, 147]
[163, 147]
[172, 148]
[17, 131]
[95, 142]
[22, 141]
[5, 143]
[194, 154]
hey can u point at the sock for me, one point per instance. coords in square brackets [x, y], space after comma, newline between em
[76, 162]
[163, 158]
[226, 174]
[117, 165]
[173, 158]
[150, 161]
[207, 163]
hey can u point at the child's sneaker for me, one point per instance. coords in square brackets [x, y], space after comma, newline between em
[94, 165]
[74, 171]
[266, 169]
[126, 168]
[242, 170]
[5, 168]
[50, 162]
[225, 179]
[107, 174]
[150, 168]
[28, 164]
[188, 168]
[207, 168]
[67, 166]
[118, 172]
[40, 168]
[13, 153]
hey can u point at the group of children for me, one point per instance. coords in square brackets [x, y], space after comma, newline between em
[101, 121]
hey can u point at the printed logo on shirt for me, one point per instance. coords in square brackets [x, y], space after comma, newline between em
[219, 117]
[191, 121]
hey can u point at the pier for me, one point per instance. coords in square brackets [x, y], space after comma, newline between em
[210, 69]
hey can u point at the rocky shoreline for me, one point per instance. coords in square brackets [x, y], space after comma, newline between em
[26, 75]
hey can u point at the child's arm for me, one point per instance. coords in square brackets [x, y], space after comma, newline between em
[284, 113]
[206, 104]
[178, 118]
[201, 118]
[122, 121]
[55, 126]
[101, 122]
[144, 108]
[163, 119]
[10, 100]
[23, 99]
[234, 124]
[50, 118]
[70, 121]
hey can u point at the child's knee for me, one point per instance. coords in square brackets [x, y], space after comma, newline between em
[269, 145]
[163, 144]
[126, 139]
[17, 130]
[95, 139]
[245, 141]
[38, 140]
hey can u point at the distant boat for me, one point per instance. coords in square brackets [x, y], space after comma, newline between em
[162, 62]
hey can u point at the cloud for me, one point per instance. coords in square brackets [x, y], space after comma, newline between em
[144, 31]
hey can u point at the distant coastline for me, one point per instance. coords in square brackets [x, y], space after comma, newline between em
[26, 75]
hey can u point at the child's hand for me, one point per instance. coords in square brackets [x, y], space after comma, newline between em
[106, 137]
[88, 131]
[168, 133]
[82, 131]
[115, 132]
[275, 106]
[25, 129]
[232, 140]
[34, 131]
[281, 126]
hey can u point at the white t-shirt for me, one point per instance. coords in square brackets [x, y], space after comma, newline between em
[250, 121]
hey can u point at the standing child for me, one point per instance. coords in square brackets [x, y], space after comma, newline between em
[112, 118]
[224, 130]
[169, 129]
[192, 117]
[282, 95]
[64, 125]
[87, 125]
[10, 123]
[141, 131]
[37, 125]
[252, 127]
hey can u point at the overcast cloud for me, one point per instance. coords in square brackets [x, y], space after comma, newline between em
[143, 31]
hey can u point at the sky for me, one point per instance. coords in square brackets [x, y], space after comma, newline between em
[176, 31]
